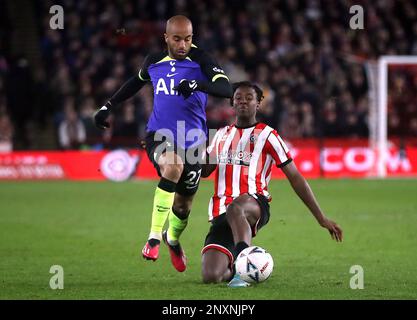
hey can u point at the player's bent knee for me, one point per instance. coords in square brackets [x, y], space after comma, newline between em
[234, 209]
[172, 170]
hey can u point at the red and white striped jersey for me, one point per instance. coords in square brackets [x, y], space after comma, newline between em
[244, 161]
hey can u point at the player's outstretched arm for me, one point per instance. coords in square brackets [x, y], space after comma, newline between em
[220, 88]
[217, 83]
[128, 89]
[304, 192]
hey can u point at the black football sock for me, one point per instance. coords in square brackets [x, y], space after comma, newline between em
[167, 185]
[240, 246]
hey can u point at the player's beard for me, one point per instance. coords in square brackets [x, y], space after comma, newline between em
[176, 54]
[181, 55]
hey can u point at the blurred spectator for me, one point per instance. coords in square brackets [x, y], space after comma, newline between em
[20, 93]
[413, 127]
[402, 100]
[219, 113]
[6, 133]
[290, 124]
[71, 131]
[307, 120]
[330, 124]
[126, 129]
[93, 134]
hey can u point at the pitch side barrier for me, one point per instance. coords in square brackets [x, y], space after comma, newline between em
[335, 158]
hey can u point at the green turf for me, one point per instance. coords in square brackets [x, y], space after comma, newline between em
[95, 231]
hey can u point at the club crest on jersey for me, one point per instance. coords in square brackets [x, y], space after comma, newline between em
[172, 63]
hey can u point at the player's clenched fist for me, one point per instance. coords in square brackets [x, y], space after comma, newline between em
[186, 88]
[101, 116]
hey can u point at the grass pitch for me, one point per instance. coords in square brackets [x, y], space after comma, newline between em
[96, 231]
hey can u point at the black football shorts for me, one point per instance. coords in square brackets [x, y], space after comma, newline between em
[190, 178]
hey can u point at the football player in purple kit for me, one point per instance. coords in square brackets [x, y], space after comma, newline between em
[182, 77]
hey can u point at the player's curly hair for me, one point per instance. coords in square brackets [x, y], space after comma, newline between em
[247, 84]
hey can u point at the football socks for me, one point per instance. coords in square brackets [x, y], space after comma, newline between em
[175, 228]
[162, 204]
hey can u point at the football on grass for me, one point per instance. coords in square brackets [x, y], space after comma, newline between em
[254, 264]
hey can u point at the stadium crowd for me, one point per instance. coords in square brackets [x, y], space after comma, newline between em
[303, 54]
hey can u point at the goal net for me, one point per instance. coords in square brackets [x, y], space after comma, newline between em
[393, 111]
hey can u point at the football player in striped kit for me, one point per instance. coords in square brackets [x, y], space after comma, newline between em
[182, 77]
[242, 156]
